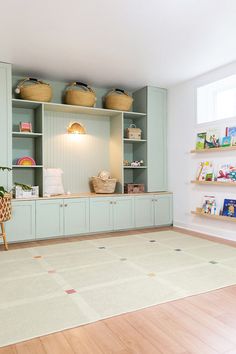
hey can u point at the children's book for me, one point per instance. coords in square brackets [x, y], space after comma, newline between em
[231, 132]
[226, 141]
[229, 208]
[205, 171]
[201, 139]
[226, 173]
[209, 205]
[212, 138]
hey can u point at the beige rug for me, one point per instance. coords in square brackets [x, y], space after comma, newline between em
[51, 288]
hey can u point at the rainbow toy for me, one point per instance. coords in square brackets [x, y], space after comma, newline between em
[26, 161]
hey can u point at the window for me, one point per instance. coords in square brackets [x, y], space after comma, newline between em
[217, 100]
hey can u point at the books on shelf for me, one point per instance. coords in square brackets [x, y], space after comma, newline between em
[205, 171]
[229, 208]
[226, 173]
[231, 132]
[210, 206]
[213, 139]
[201, 139]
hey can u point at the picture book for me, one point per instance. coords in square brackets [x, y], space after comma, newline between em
[212, 138]
[201, 139]
[226, 173]
[229, 208]
[210, 206]
[205, 171]
[231, 132]
[226, 141]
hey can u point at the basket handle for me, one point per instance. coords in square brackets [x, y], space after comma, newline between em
[118, 90]
[21, 83]
[81, 84]
[132, 126]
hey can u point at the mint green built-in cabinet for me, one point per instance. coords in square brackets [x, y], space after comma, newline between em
[49, 218]
[163, 210]
[123, 213]
[22, 225]
[5, 122]
[76, 216]
[101, 214]
[153, 210]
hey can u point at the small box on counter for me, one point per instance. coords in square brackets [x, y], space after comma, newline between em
[134, 188]
[19, 192]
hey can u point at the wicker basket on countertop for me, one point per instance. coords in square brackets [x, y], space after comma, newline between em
[80, 94]
[34, 90]
[104, 186]
[118, 99]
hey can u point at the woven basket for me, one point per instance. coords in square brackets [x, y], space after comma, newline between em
[5, 208]
[103, 186]
[34, 90]
[80, 94]
[119, 100]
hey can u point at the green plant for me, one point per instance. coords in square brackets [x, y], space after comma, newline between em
[3, 191]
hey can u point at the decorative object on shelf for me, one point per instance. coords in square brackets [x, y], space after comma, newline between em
[80, 94]
[205, 171]
[104, 175]
[229, 208]
[134, 188]
[226, 141]
[103, 186]
[212, 138]
[118, 99]
[34, 90]
[19, 192]
[136, 163]
[25, 127]
[201, 140]
[126, 163]
[76, 128]
[26, 161]
[133, 132]
[53, 181]
[231, 132]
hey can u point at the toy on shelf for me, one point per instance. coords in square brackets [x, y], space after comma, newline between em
[25, 127]
[137, 163]
[26, 161]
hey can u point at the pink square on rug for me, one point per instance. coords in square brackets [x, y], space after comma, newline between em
[70, 291]
[52, 271]
[37, 256]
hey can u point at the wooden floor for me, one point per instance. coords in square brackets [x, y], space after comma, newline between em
[202, 324]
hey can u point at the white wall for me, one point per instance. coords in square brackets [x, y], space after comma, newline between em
[182, 165]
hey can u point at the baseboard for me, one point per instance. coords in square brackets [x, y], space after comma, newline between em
[206, 230]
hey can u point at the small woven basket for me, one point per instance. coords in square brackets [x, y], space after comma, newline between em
[119, 100]
[5, 208]
[80, 94]
[34, 90]
[104, 186]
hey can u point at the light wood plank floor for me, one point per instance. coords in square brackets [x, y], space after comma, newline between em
[202, 324]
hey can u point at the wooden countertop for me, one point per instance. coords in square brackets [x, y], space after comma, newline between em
[89, 195]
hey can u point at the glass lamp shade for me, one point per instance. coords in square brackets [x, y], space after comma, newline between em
[76, 128]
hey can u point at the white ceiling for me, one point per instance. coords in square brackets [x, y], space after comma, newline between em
[127, 43]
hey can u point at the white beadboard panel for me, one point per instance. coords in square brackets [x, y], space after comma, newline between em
[79, 156]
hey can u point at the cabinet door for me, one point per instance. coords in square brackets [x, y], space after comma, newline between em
[6, 122]
[49, 218]
[144, 211]
[123, 213]
[163, 210]
[101, 214]
[156, 135]
[76, 216]
[22, 225]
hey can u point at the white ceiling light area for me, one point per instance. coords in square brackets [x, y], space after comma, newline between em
[127, 43]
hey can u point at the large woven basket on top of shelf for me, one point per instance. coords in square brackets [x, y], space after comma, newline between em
[5, 208]
[103, 185]
[34, 90]
[119, 100]
[80, 94]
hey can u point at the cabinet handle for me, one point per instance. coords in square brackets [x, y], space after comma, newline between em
[61, 205]
[111, 202]
[66, 205]
[114, 202]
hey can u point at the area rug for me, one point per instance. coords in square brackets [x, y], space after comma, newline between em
[51, 288]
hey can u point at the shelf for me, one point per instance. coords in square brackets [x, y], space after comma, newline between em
[59, 107]
[216, 217]
[135, 168]
[220, 149]
[26, 135]
[27, 166]
[134, 140]
[228, 184]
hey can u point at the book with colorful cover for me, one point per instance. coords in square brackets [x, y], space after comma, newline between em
[209, 205]
[226, 173]
[212, 138]
[205, 171]
[231, 132]
[226, 141]
[201, 139]
[229, 208]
